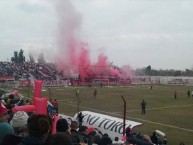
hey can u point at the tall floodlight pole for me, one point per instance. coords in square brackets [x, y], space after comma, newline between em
[124, 115]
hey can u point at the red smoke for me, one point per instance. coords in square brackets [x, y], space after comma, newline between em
[73, 55]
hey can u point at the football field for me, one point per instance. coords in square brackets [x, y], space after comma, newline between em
[172, 116]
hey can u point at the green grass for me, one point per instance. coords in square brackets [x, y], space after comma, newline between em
[173, 117]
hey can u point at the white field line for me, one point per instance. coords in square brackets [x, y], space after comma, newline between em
[159, 108]
[171, 126]
[117, 114]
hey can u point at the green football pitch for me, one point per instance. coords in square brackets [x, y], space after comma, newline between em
[172, 116]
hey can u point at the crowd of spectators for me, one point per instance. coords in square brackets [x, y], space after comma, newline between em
[27, 69]
[50, 75]
[29, 128]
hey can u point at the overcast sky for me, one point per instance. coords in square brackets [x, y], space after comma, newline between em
[129, 32]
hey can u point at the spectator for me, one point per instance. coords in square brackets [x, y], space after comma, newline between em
[9, 102]
[82, 133]
[60, 139]
[28, 102]
[19, 124]
[50, 109]
[165, 142]
[91, 132]
[97, 138]
[147, 139]
[129, 132]
[154, 138]
[116, 141]
[55, 105]
[106, 140]
[5, 127]
[80, 117]
[39, 127]
[74, 133]
[63, 126]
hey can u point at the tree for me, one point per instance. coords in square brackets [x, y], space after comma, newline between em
[148, 70]
[188, 72]
[18, 58]
[41, 58]
[31, 58]
[15, 57]
[21, 58]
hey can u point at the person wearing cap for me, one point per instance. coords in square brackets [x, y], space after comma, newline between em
[5, 127]
[19, 120]
[19, 124]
